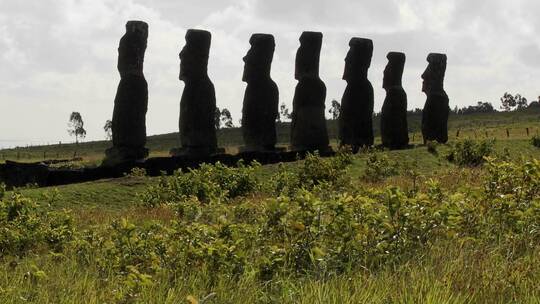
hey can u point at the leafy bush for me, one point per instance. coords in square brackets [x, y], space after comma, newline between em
[535, 141]
[317, 170]
[304, 233]
[2, 190]
[512, 191]
[470, 153]
[379, 167]
[24, 226]
[432, 146]
[136, 172]
[207, 183]
[314, 171]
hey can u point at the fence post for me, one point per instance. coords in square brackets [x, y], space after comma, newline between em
[507, 133]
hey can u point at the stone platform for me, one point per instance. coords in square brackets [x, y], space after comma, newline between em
[15, 174]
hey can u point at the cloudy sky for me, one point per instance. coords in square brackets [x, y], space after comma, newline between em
[59, 56]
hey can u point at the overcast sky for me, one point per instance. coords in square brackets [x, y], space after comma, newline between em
[59, 56]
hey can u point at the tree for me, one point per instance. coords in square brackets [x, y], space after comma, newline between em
[507, 102]
[217, 118]
[480, 107]
[226, 118]
[76, 126]
[535, 104]
[521, 102]
[335, 109]
[223, 117]
[108, 129]
[284, 113]
[510, 103]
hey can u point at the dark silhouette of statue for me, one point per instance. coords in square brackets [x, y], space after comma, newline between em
[261, 98]
[394, 131]
[131, 102]
[198, 103]
[308, 128]
[355, 119]
[436, 109]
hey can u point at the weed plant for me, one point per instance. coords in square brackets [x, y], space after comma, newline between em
[470, 153]
[299, 235]
[379, 167]
[535, 141]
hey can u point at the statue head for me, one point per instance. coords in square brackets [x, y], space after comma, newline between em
[194, 55]
[394, 69]
[433, 76]
[132, 48]
[358, 59]
[258, 60]
[138, 28]
[308, 54]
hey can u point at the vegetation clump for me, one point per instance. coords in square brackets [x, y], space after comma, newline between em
[206, 184]
[535, 141]
[314, 171]
[470, 153]
[25, 227]
[431, 146]
[306, 234]
[219, 235]
[379, 167]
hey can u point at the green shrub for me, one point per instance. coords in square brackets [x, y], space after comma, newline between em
[2, 190]
[207, 183]
[314, 171]
[379, 167]
[535, 141]
[285, 181]
[432, 146]
[512, 191]
[470, 153]
[24, 226]
[291, 235]
[136, 172]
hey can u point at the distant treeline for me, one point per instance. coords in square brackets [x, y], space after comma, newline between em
[509, 103]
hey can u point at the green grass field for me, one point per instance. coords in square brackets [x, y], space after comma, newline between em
[454, 238]
[476, 126]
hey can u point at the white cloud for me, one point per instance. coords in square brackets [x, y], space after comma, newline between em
[59, 56]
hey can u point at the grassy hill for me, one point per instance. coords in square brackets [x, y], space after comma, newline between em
[403, 226]
[492, 125]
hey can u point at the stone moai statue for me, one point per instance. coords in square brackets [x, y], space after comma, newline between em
[261, 99]
[436, 109]
[308, 128]
[198, 103]
[131, 102]
[394, 131]
[356, 116]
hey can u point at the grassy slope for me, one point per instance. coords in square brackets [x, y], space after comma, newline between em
[473, 126]
[443, 273]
